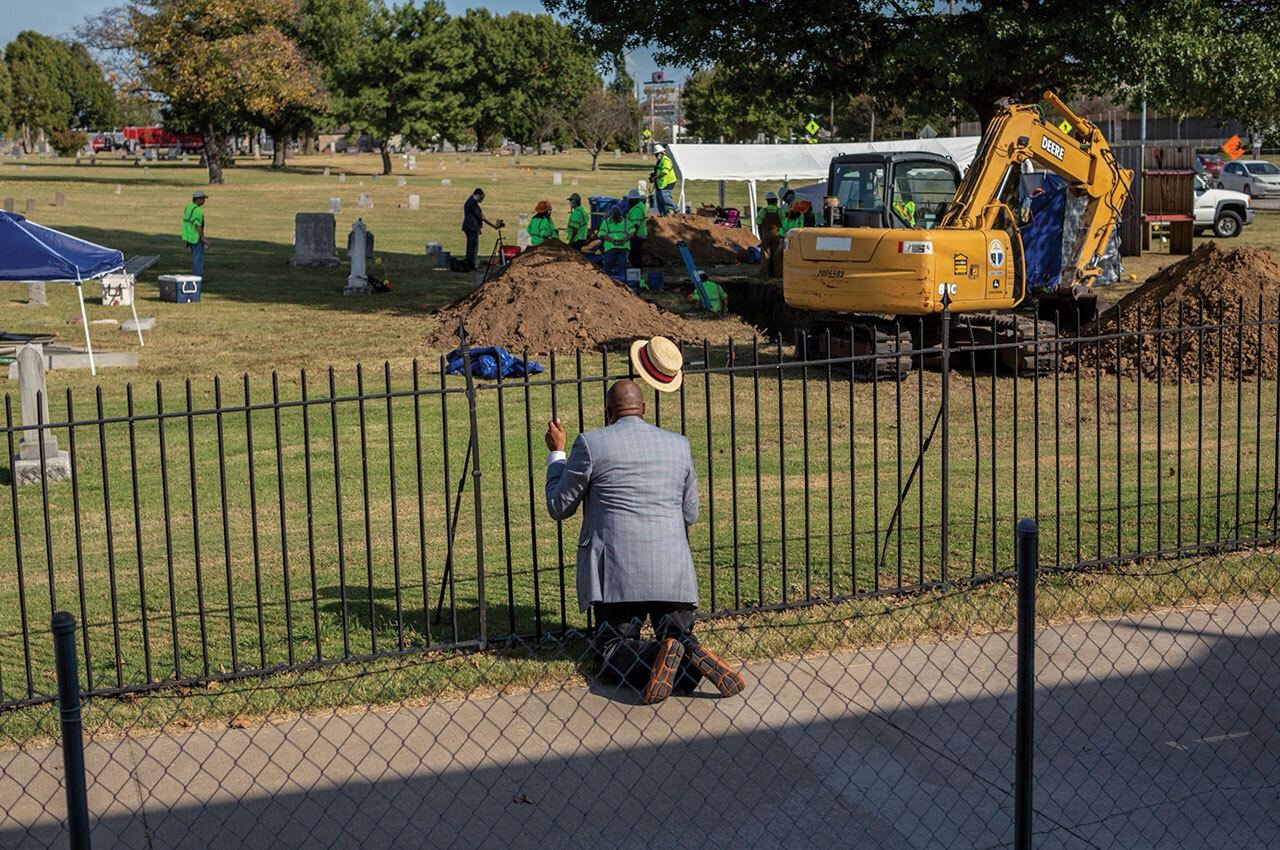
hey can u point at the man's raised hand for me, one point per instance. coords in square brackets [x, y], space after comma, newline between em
[555, 436]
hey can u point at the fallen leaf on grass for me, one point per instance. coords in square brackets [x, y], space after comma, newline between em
[240, 723]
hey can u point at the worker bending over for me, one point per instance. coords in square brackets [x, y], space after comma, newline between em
[796, 216]
[637, 215]
[579, 226]
[769, 223]
[541, 228]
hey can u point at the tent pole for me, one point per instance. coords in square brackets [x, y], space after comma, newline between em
[682, 197]
[133, 294]
[84, 320]
[751, 203]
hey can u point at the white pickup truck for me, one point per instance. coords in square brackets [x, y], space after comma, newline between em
[1220, 210]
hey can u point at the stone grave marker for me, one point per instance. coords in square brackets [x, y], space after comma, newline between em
[59, 199]
[557, 179]
[326, 171]
[364, 201]
[446, 182]
[617, 154]
[313, 242]
[184, 156]
[413, 202]
[357, 281]
[374, 176]
[146, 169]
[413, 162]
[400, 181]
[8, 204]
[117, 188]
[335, 205]
[22, 168]
[494, 177]
[31, 206]
[342, 177]
[35, 409]
[36, 294]
[573, 181]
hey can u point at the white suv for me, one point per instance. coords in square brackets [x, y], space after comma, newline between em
[1220, 210]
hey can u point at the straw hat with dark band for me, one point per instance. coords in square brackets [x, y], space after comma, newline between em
[658, 363]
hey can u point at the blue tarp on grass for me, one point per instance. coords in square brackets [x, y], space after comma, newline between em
[31, 252]
[485, 363]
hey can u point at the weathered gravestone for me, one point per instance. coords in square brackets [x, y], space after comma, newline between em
[8, 204]
[326, 171]
[573, 181]
[400, 181]
[117, 188]
[59, 199]
[342, 177]
[313, 242]
[446, 182]
[36, 294]
[413, 162]
[413, 202]
[358, 280]
[335, 205]
[27, 466]
[557, 179]
[364, 201]
[31, 206]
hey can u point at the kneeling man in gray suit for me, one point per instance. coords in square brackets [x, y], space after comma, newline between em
[639, 491]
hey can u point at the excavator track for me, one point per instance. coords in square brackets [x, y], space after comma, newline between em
[1028, 346]
[860, 336]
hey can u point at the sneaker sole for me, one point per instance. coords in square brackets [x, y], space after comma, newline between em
[727, 680]
[662, 678]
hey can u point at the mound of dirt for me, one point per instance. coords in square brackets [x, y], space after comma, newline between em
[1211, 287]
[711, 244]
[550, 298]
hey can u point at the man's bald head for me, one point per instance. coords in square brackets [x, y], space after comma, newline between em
[623, 399]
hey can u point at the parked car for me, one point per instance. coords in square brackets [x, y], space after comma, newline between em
[1220, 210]
[1255, 177]
[1210, 164]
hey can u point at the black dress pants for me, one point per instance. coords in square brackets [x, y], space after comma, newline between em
[625, 656]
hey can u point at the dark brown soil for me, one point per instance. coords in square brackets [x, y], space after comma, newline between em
[709, 243]
[550, 298]
[1211, 288]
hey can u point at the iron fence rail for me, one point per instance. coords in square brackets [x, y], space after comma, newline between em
[266, 527]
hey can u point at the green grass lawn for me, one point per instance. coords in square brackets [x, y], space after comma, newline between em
[802, 475]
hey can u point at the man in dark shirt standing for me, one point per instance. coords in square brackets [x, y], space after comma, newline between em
[473, 221]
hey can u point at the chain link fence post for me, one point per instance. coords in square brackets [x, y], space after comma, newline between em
[1028, 558]
[64, 651]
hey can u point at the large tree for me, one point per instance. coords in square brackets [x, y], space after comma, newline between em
[594, 120]
[730, 105]
[6, 96]
[913, 54]
[56, 86]
[408, 77]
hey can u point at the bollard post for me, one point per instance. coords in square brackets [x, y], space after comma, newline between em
[64, 654]
[1028, 559]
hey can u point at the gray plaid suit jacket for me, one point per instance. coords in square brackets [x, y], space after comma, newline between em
[638, 491]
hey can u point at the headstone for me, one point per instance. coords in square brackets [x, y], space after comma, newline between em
[335, 205]
[573, 181]
[446, 182]
[22, 168]
[617, 154]
[117, 188]
[144, 323]
[374, 176]
[36, 294]
[313, 240]
[342, 177]
[31, 206]
[494, 177]
[364, 201]
[522, 238]
[326, 171]
[557, 179]
[413, 162]
[59, 199]
[35, 409]
[184, 156]
[8, 204]
[146, 169]
[400, 181]
[413, 202]
[357, 281]
[149, 155]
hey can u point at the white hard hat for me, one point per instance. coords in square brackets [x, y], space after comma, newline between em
[659, 149]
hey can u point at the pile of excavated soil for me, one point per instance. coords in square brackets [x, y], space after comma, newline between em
[711, 244]
[550, 298]
[1213, 286]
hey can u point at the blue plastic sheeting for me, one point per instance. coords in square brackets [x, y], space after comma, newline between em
[29, 252]
[1042, 236]
[487, 362]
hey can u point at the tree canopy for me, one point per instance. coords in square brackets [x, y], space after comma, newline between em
[56, 85]
[6, 95]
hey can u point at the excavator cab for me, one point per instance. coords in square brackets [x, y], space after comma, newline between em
[897, 191]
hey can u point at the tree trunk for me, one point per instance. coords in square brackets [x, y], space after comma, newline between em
[386, 158]
[595, 158]
[213, 156]
[279, 144]
[312, 144]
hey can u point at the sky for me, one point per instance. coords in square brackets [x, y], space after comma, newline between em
[60, 17]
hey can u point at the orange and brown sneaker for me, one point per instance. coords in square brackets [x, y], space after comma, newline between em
[662, 677]
[727, 680]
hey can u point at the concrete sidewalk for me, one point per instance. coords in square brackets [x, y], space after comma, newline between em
[1154, 732]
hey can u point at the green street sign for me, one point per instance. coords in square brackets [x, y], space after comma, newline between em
[811, 128]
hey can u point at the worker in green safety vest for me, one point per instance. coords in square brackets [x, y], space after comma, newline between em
[637, 217]
[663, 177]
[794, 216]
[615, 235]
[193, 231]
[579, 222]
[906, 212]
[541, 228]
[769, 223]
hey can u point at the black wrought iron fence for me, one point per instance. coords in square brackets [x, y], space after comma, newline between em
[350, 516]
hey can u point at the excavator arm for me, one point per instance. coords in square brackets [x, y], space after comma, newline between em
[1080, 155]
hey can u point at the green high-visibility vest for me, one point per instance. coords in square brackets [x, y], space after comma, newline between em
[541, 229]
[636, 215]
[579, 223]
[192, 218]
[666, 171]
[766, 209]
[616, 234]
[791, 222]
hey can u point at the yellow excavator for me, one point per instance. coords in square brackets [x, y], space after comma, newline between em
[890, 245]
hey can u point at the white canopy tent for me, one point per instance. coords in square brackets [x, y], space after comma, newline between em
[754, 163]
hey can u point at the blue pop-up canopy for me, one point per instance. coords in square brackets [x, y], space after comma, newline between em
[32, 252]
